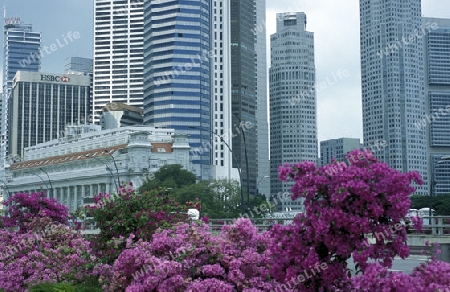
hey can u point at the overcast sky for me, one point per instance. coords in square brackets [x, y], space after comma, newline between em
[336, 34]
[336, 30]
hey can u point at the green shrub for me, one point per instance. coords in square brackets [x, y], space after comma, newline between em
[89, 284]
[53, 287]
[65, 287]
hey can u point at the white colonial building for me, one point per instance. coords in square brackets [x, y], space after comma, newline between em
[79, 166]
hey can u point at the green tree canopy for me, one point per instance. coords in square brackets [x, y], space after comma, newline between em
[220, 199]
[440, 203]
[131, 212]
[172, 176]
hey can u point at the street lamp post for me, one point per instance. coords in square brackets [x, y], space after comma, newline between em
[6, 187]
[108, 168]
[115, 165]
[246, 162]
[235, 160]
[49, 180]
[442, 159]
[46, 185]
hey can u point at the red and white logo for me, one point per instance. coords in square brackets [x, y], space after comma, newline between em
[65, 79]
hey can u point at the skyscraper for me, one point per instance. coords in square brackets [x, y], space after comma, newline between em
[337, 149]
[82, 66]
[392, 73]
[42, 104]
[22, 51]
[79, 65]
[177, 72]
[118, 53]
[222, 158]
[437, 100]
[293, 120]
[243, 89]
[263, 179]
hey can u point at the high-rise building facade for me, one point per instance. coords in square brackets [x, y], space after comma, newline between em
[222, 158]
[392, 75]
[437, 100]
[293, 120]
[79, 65]
[22, 51]
[117, 115]
[337, 149]
[118, 53]
[243, 90]
[42, 104]
[263, 179]
[82, 66]
[177, 73]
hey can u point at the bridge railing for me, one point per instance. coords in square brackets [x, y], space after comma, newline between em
[440, 225]
[435, 225]
[260, 223]
[89, 226]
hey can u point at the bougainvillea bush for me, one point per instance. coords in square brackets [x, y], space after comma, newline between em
[146, 244]
[189, 258]
[22, 208]
[130, 212]
[43, 249]
[343, 203]
[430, 276]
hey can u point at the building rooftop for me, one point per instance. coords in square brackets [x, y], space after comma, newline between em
[66, 158]
[118, 106]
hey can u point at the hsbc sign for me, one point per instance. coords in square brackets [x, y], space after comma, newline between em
[54, 78]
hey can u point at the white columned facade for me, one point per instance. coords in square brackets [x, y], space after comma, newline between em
[75, 197]
[70, 162]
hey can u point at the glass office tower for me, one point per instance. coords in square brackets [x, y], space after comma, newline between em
[22, 51]
[177, 73]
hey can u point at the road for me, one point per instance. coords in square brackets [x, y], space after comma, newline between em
[406, 266]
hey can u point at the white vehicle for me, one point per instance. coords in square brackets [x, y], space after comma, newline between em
[194, 214]
[424, 212]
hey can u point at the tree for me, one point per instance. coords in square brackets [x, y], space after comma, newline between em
[219, 198]
[342, 205]
[169, 176]
[419, 201]
[440, 203]
[131, 212]
[309, 255]
[22, 208]
[43, 247]
[225, 201]
[188, 257]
